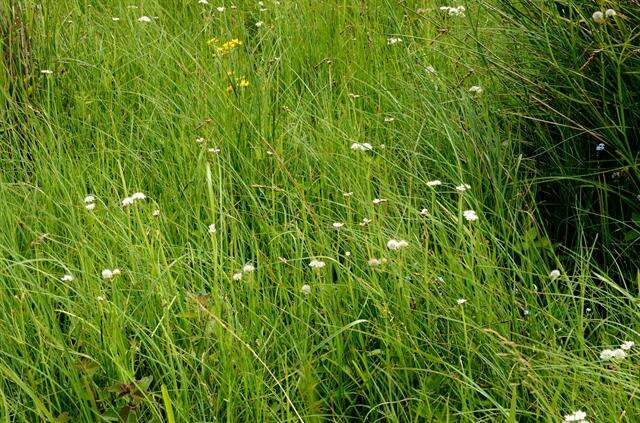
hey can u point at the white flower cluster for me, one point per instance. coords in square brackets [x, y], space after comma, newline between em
[599, 17]
[138, 196]
[577, 417]
[89, 202]
[365, 146]
[454, 11]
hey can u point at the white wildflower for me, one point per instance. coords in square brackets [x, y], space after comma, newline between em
[393, 244]
[430, 69]
[434, 183]
[90, 206]
[377, 201]
[617, 354]
[67, 278]
[356, 146]
[138, 196]
[212, 228]
[214, 150]
[389, 119]
[463, 187]
[598, 17]
[237, 276]
[107, 274]
[347, 194]
[46, 71]
[116, 272]
[220, 9]
[374, 262]
[199, 140]
[461, 301]
[203, 2]
[127, 201]
[316, 264]
[610, 13]
[305, 289]
[115, 19]
[337, 225]
[476, 89]
[248, 268]
[89, 199]
[393, 40]
[627, 345]
[424, 212]
[554, 274]
[259, 24]
[156, 213]
[144, 19]
[579, 417]
[470, 215]
[365, 221]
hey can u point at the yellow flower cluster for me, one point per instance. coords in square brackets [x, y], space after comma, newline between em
[241, 82]
[226, 47]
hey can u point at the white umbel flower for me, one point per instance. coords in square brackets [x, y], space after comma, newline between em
[107, 274]
[577, 417]
[627, 345]
[610, 13]
[434, 183]
[617, 354]
[156, 213]
[476, 89]
[89, 199]
[554, 274]
[470, 215]
[46, 71]
[237, 276]
[461, 301]
[393, 244]
[316, 264]
[393, 40]
[90, 206]
[365, 146]
[463, 187]
[305, 289]
[127, 201]
[203, 2]
[259, 24]
[337, 225]
[424, 212]
[212, 228]
[377, 201]
[248, 268]
[144, 19]
[137, 196]
[67, 278]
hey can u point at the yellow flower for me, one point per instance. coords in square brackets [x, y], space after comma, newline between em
[243, 83]
[213, 41]
[228, 46]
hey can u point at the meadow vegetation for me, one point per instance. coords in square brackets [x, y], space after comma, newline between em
[319, 210]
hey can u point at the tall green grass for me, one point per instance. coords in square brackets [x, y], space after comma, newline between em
[175, 338]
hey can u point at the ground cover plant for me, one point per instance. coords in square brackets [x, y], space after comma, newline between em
[317, 210]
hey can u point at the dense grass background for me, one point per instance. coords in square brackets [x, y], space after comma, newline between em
[175, 338]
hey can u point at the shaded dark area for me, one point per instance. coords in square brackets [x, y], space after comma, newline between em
[580, 123]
